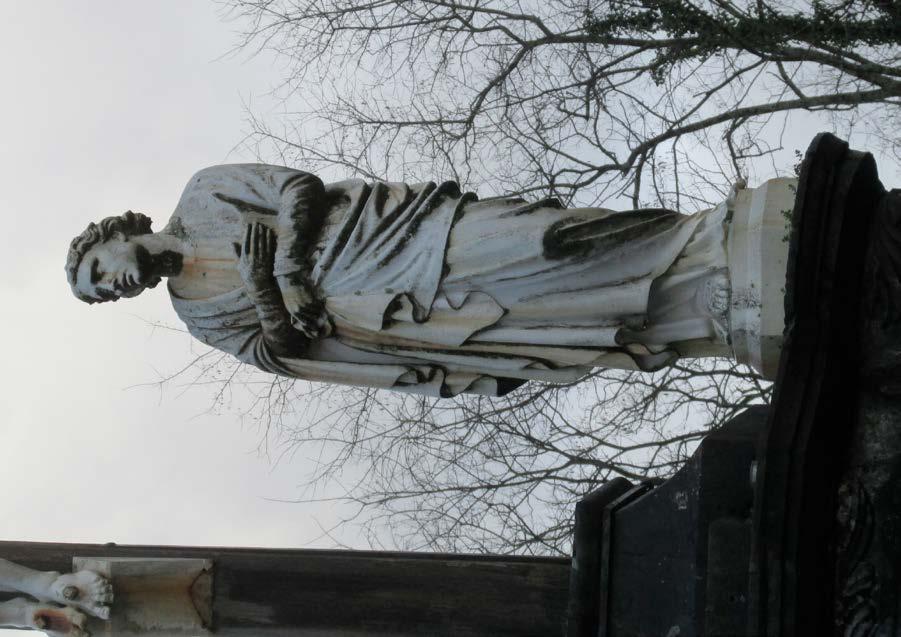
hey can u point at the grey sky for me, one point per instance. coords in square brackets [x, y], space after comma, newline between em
[111, 105]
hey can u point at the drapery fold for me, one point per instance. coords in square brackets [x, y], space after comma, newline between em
[434, 292]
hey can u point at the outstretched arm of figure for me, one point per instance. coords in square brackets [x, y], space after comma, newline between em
[255, 257]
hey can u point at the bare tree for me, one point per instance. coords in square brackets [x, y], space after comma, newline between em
[585, 100]
[581, 99]
[499, 475]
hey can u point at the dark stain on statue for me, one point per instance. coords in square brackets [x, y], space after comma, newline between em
[574, 237]
[168, 263]
[524, 208]
[379, 197]
[309, 208]
[250, 186]
[418, 209]
[176, 228]
[245, 206]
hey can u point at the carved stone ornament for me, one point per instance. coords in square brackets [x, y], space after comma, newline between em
[425, 289]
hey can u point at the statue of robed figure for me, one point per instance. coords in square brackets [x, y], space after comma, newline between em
[417, 287]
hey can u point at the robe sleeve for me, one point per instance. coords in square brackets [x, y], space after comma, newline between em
[277, 333]
[300, 215]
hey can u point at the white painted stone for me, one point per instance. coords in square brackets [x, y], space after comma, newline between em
[757, 249]
[58, 603]
[425, 289]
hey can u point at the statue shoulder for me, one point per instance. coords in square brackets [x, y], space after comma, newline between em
[247, 173]
[216, 189]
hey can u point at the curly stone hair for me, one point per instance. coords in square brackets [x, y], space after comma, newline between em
[129, 224]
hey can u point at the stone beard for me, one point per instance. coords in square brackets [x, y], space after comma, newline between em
[421, 288]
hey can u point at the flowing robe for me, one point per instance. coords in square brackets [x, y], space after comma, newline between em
[434, 292]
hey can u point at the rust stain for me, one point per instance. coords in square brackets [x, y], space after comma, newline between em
[55, 621]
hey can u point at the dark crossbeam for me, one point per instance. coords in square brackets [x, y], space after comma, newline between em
[268, 592]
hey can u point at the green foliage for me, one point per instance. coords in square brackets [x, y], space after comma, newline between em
[698, 30]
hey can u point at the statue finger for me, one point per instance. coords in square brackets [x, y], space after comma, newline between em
[272, 242]
[254, 238]
[304, 323]
[259, 239]
[305, 328]
[266, 244]
[248, 235]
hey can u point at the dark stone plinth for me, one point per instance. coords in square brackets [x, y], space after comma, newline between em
[653, 560]
[837, 352]
[868, 538]
[811, 545]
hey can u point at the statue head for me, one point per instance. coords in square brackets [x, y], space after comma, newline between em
[104, 264]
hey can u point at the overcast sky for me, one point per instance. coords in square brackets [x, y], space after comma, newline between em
[112, 105]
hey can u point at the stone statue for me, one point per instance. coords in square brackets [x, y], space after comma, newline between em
[60, 599]
[417, 287]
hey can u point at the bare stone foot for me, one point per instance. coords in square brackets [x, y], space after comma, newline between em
[57, 621]
[85, 590]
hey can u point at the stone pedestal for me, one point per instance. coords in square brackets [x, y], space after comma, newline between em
[757, 252]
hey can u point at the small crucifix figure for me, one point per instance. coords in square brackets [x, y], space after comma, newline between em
[59, 601]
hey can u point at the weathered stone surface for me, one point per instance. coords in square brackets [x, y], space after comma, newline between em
[758, 257]
[422, 288]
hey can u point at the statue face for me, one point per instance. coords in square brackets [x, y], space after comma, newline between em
[114, 269]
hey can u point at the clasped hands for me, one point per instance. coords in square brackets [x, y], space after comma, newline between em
[256, 262]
